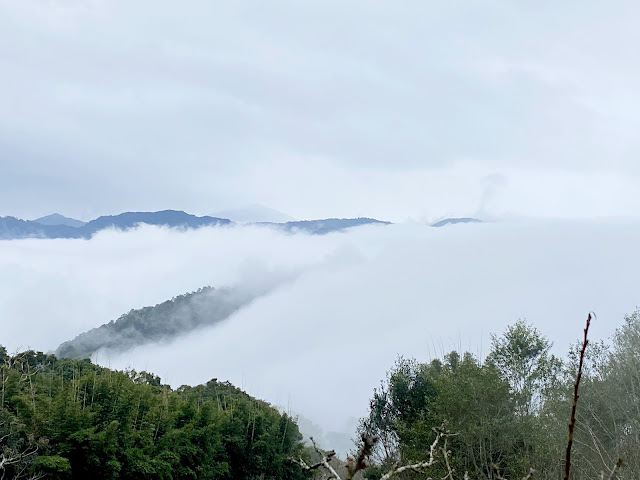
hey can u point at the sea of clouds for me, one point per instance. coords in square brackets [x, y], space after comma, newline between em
[345, 305]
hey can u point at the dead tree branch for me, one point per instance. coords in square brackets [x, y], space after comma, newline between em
[572, 422]
[445, 454]
[420, 467]
[325, 460]
[354, 465]
[529, 475]
[11, 458]
[614, 472]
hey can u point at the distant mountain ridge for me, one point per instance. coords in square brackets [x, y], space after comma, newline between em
[15, 228]
[169, 218]
[328, 225]
[57, 219]
[453, 221]
[12, 228]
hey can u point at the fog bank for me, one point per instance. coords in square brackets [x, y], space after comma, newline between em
[61, 288]
[320, 342]
[323, 342]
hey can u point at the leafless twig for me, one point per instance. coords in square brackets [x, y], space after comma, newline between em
[325, 460]
[354, 465]
[614, 471]
[572, 422]
[529, 475]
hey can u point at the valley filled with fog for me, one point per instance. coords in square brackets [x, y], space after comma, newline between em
[408, 230]
[334, 311]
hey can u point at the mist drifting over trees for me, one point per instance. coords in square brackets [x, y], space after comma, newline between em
[226, 228]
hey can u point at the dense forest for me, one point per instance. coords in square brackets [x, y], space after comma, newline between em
[502, 417]
[71, 419]
[181, 314]
[507, 416]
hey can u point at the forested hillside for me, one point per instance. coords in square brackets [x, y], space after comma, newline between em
[507, 416]
[504, 417]
[179, 315]
[71, 419]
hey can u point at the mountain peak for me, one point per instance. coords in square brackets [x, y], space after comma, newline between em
[254, 213]
[57, 219]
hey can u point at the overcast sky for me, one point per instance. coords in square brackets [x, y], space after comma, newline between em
[334, 108]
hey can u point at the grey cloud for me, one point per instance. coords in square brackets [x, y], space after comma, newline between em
[155, 98]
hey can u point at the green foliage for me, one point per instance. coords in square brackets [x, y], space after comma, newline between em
[205, 306]
[75, 420]
[510, 413]
[53, 467]
[471, 398]
[522, 357]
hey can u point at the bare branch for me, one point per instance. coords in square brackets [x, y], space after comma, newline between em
[529, 475]
[17, 457]
[325, 460]
[445, 454]
[497, 473]
[572, 422]
[420, 467]
[354, 465]
[616, 467]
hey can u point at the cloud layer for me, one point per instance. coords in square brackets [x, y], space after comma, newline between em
[69, 286]
[322, 342]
